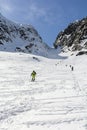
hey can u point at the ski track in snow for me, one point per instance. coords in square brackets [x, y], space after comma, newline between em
[56, 100]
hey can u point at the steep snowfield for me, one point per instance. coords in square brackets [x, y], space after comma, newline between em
[21, 38]
[57, 100]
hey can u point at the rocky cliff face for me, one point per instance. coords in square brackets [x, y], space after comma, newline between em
[74, 37]
[24, 38]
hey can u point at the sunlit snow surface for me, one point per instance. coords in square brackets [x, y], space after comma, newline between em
[57, 100]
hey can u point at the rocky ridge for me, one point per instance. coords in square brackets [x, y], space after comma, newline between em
[23, 38]
[74, 37]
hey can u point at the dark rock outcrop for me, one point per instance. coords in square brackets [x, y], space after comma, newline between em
[74, 37]
[81, 53]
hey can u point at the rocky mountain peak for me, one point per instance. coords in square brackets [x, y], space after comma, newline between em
[20, 37]
[74, 37]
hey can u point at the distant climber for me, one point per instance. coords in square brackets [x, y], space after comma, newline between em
[72, 68]
[33, 75]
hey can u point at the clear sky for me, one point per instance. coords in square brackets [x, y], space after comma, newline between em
[49, 17]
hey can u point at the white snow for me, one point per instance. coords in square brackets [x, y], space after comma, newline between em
[20, 37]
[57, 100]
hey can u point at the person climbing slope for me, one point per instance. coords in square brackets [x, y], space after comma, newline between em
[33, 75]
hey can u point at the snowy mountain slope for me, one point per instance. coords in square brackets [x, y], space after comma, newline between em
[74, 37]
[57, 100]
[22, 38]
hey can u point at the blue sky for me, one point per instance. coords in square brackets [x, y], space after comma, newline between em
[49, 17]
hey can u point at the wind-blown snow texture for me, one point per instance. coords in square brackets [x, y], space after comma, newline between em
[57, 100]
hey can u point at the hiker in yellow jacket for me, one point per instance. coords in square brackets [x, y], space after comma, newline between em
[33, 74]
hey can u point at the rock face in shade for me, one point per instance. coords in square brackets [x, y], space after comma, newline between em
[74, 37]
